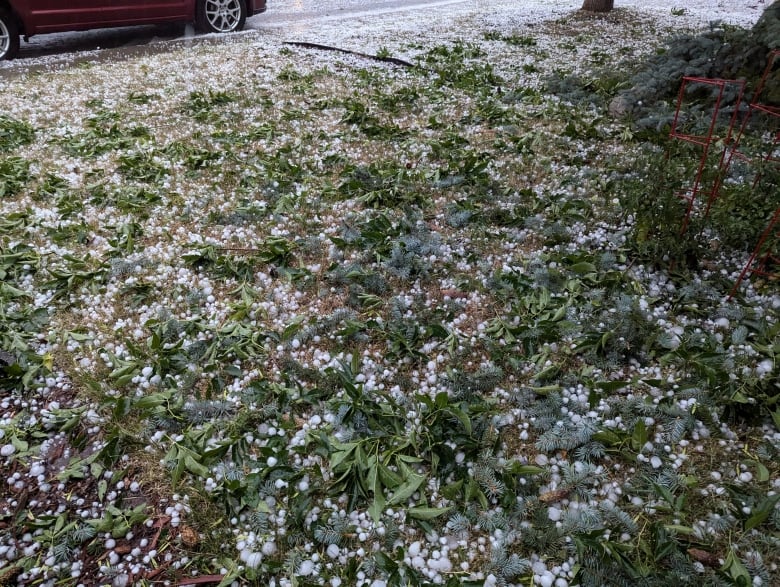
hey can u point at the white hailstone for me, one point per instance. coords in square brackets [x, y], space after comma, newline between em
[547, 579]
[120, 580]
[561, 582]
[272, 461]
[490, 581]
[764, 367]
[746, 477]
[539, 568]
[656, 462]
[252, 559]
[333, 551]
[442, 565]
[306, 568]
[147, 372]
[414, 549]
[7, 450]
[269, 548]
[554, 514]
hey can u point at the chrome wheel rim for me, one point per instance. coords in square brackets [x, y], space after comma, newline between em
[5, 39]
[223, 15]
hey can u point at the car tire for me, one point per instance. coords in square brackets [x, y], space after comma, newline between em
[9, 35]
[221, 16]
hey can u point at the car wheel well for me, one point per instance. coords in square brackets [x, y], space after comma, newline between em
[6, 7]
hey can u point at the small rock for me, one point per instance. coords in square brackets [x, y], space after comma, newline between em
[189, 536]
[620, 107]
[6, 358]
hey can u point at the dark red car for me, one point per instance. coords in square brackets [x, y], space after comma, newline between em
[32, 17]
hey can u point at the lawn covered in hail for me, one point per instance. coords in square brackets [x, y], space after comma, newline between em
[296, 317]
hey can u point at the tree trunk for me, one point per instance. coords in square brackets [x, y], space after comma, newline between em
[598, 5]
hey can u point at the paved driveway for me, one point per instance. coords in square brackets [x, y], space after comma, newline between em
[294, 14]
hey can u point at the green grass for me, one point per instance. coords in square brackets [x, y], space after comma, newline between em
[443, 305]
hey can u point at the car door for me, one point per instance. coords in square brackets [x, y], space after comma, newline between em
[139, 11]
[53, 15]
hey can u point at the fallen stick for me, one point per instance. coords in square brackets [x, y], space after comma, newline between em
[201, 579]
[393, 60]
